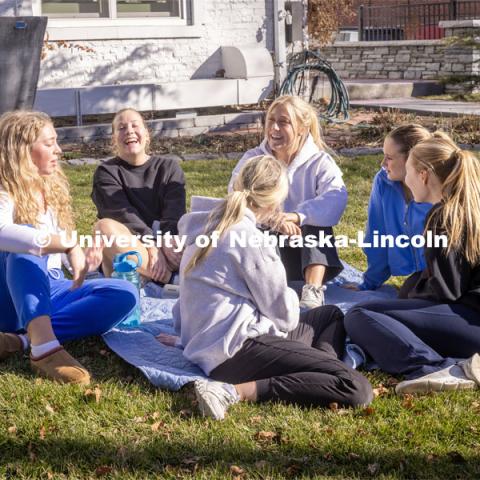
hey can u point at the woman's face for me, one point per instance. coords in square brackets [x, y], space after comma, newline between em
[281, 136]
[417, 182]
[393, 160]
[45, 151]
[130, 134]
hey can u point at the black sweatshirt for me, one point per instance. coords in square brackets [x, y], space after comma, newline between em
[447, 278]
[138, 196]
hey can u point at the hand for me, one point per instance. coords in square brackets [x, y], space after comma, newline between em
[351, 286]
[94, 256]
[79, 265]
[168, 340]
[287, 223]
[157, 265]
[172, 255]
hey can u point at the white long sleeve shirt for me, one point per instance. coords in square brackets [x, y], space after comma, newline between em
[21, 238]
[316, 188]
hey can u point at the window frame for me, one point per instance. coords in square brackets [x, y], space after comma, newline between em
[95, 28]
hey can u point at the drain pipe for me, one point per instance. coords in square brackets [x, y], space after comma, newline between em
[279, 14]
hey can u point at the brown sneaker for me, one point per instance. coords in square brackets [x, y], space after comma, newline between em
[59, 365]
[9, 345]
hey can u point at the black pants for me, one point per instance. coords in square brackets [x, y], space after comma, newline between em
[296, 260]
[303, 368]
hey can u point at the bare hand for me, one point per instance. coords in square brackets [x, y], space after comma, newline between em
[351, 286]
[157, 265]
[168, 340]
[79, 265]
[94, 256]
[172, 255]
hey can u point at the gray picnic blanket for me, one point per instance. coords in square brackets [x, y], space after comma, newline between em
[166, 367]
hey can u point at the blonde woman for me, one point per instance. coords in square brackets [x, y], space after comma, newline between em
[437, 319]
[137, 194]
[316, 197]
[239, 321]
[39, 306]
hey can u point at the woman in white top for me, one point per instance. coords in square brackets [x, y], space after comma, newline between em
[316, 198]
[39, 306]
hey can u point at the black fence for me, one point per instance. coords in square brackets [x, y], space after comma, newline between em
[413, 21]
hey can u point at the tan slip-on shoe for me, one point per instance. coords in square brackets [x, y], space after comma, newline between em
[59, 365]
[10, 343]
[471, 367]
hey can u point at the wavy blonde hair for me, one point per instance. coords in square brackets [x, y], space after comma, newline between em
[302, 114]
[459, 173]
[261, 185]
[19, 176]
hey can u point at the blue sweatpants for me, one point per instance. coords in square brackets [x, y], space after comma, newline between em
[28, 290]
[414, 337]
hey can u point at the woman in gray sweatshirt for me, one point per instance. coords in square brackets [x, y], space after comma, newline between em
[237, 318]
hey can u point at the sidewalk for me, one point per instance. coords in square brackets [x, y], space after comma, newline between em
[420, 106]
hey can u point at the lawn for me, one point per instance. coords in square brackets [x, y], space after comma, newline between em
[122, 427]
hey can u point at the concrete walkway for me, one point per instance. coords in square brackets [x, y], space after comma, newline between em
[420, 106]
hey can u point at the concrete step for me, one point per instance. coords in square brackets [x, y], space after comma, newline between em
[373, 89]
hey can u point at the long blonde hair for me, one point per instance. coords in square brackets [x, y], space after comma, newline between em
[261, 185]
[459, 173]
[407, 136]
[19, 176]
[302, 114]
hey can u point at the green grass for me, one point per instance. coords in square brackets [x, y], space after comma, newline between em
[137, 431]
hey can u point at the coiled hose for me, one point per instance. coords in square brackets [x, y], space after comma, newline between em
[297, 82]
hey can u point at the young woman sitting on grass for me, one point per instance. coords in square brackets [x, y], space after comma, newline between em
[437, 318]
[239, 321]
[139, 194]
[316, 197]
[393, 211]
[39, 306]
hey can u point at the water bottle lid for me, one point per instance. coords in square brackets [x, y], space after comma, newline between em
[124, 265]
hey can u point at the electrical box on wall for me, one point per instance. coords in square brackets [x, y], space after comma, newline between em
[294, 22]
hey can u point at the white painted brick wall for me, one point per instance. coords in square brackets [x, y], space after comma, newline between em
[227, 23]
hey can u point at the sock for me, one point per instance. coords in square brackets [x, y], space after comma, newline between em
[25, 341]
[42, 349]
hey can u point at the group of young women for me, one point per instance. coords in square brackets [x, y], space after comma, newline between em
[236, 316]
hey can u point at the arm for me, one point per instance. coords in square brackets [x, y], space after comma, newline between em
[109, 197]
[378, 270]
[267, 282]
[174, 199]
[327, 207]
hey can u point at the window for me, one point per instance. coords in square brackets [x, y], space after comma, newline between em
[113, 8]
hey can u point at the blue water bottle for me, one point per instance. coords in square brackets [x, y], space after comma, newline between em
[126, 269]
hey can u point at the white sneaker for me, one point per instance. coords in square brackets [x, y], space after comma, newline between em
[214, 398]
[312, 296]
[450, 378]
[471, 368]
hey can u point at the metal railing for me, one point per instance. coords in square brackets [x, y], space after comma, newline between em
[412, 20]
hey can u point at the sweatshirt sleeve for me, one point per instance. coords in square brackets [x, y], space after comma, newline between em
[111, 201]
[327, 207]
[267, 282]
[378, 270]
[15, 238]
[174, 199]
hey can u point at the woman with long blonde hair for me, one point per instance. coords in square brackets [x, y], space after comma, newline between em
[237, 318]
[437, 319]
[316, 197]
[40, 307]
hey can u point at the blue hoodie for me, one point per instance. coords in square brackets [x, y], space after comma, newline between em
[389, 214]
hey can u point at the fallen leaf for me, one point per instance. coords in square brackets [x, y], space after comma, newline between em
[155, 415]
[12, 430]
[431, 457]
[49, 409]
[380, 391]
[95, 393]
[236, 471]
[373, 468]
[42, 433]
[353, 456]
[265, 437]
[368, 411]
[333, 406]
[256, 419]
[408, 401]
[140, 419]
[157, 426]
[103, 470]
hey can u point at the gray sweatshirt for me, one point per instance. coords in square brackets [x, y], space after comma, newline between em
[316, 189]
[234, 294]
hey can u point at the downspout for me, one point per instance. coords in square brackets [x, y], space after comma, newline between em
[279, 42]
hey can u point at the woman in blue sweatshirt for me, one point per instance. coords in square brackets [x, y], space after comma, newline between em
[392, 211]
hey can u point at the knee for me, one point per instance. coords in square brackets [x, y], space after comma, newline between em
[361, 394]
[124, 294]
[26, 261]
[355, 321]
[108, 226]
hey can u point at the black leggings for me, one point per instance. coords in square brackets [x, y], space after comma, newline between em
[303, 368]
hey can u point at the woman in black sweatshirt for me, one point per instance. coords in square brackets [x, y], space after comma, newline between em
[436, 321]
[139, 197]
